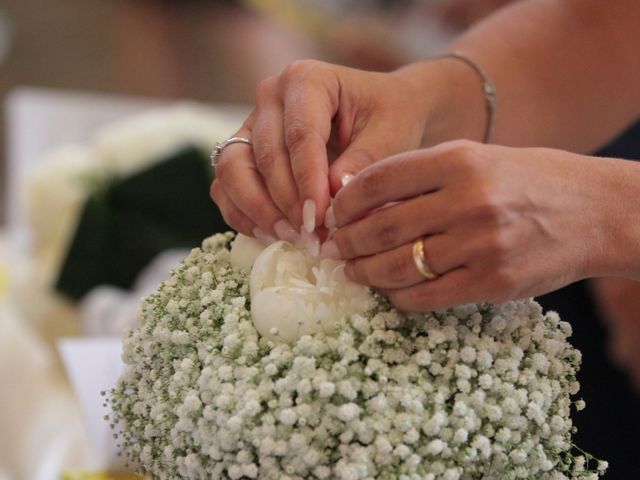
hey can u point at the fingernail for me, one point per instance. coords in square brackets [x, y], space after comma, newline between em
[263, 237]
[285, 232]
[330, 250]
[309, 215]
[311, 242]
[330, 219]
[345, 178]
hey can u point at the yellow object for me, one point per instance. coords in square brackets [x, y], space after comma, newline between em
[79, 475]
[421, 261]
[292, 12]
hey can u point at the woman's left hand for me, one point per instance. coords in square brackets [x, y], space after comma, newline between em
[498, 223]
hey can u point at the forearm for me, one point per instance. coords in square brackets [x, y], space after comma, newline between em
[614, 236]
[566, 73]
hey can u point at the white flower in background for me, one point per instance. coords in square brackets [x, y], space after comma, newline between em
[299, 294]
[134, 143]
[56, 188]
[457, 394]
[55, 192]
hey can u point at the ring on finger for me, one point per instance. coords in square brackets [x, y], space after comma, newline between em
[217, 151]
[420, 260]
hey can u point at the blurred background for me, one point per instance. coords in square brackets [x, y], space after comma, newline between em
[110, 91]
[207, 50]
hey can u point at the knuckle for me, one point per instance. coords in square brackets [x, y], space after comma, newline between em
[461, 148]
[489, 206]
[372, 183]
[386, 232]
[235, 219]
[300, 69]
[346, 244]
[462, 156]
[232, 218]
[494, 211]
[460, 144]
[265, 89]
[497, 247]
[265, 157]
[361, 272]
[397, 270]
[296, 134]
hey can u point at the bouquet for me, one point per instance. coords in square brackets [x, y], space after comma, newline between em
[253, 362]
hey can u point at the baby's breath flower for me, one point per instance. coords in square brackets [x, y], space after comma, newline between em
[477, 391]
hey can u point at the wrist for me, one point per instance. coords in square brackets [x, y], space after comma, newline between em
[450, 97]
[620, 219]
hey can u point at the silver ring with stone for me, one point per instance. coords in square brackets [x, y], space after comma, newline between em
[217, 151]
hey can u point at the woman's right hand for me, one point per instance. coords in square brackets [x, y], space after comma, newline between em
[312, 127]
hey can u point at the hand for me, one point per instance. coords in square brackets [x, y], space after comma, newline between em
[498, 223]
[317, 124]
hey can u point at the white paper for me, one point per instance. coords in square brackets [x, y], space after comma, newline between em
[94, 365]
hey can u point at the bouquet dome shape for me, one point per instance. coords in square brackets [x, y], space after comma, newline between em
[271, 364]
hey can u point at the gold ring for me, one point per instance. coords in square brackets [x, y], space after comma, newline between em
[421, 262]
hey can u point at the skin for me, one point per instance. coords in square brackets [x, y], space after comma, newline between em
[500, 222]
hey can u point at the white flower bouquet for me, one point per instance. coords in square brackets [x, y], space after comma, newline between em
[288, 370]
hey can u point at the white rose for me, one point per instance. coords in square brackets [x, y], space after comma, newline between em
[298, 294]
[244, 252]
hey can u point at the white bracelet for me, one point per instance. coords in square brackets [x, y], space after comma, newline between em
[488, 88]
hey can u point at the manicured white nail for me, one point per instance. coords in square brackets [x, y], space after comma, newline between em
[309, 215]
[263, 237]
[330, 219]
[311, 242]
[345, 178]
[285, 231]
[330, 250]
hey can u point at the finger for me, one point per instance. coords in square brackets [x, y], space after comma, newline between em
[395, 178]
[364, 151]
[243, 184]
[270, 152]
[456, 287]
[368, 147]
[310, 102]
[394, 225]
[230, 213]
[397, 269]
